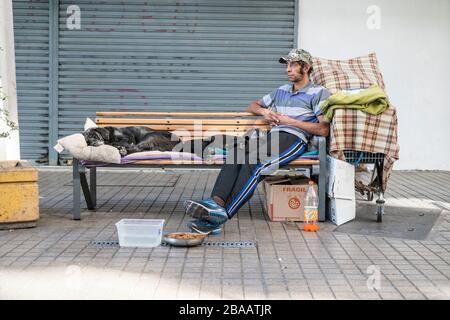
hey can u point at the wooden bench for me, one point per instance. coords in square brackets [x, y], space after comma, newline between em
[188, 125]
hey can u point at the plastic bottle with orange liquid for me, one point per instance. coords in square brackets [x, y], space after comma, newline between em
[310, 211]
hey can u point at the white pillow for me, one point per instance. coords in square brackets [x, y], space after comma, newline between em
[76, 145]
[89, 124]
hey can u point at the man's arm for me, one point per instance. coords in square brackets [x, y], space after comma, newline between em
[321, 128]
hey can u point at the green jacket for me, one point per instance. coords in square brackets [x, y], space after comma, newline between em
[372, 100]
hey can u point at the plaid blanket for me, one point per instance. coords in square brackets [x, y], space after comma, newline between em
[357, 130]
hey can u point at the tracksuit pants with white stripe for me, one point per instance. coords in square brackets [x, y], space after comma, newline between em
[241, 174]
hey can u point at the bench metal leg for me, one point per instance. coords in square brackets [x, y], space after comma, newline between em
[322, 178]
[76, 210]
[93, 185]
[322, 195]
[86, 191]
[380, 201]
[80, 182]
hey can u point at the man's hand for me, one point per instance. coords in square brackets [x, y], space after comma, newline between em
[283, 119]
[319, 129]
[270, 116]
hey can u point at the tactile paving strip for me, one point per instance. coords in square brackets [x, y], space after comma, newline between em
[222, 244]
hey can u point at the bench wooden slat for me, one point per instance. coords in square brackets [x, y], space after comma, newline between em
[189, 134]
[175, 162]
[304, 162]
[175, 114]
[220, 162]
[198, 121]
[191, 128]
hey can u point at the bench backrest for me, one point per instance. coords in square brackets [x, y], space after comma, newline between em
[186, 125]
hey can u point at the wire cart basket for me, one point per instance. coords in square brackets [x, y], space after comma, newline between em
[375, 185]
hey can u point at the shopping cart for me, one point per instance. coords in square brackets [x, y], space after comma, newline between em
[376, 181]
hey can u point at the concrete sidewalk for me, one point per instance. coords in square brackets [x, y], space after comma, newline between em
[56, 260]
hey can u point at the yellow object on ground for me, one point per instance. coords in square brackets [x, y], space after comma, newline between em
[19, 194]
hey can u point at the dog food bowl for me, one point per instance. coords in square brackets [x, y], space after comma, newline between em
[144, 233]
[184, 239]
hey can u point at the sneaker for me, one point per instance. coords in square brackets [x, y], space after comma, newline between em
[206, 209]
[204, 227]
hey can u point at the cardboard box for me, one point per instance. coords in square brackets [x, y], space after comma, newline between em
[341, 206]
[285, 198]
[340, 211]
[341, 179]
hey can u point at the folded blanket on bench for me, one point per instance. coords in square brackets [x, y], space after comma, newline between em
[170, 155]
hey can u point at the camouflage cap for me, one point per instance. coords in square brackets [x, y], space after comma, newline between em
[297, 55]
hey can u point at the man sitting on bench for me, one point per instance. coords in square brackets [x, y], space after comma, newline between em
[294, 114]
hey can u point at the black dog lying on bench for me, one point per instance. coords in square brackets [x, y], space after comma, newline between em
[138, 138]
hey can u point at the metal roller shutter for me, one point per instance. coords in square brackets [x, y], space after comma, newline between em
[32, 49]
[136, 55]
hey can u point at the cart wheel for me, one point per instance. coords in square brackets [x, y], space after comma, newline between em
[369, 195]
[379, 216]
[380, 210]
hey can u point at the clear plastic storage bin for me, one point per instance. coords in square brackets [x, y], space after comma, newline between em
[140, 232]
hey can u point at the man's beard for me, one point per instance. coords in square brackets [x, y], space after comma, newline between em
[301, 75]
